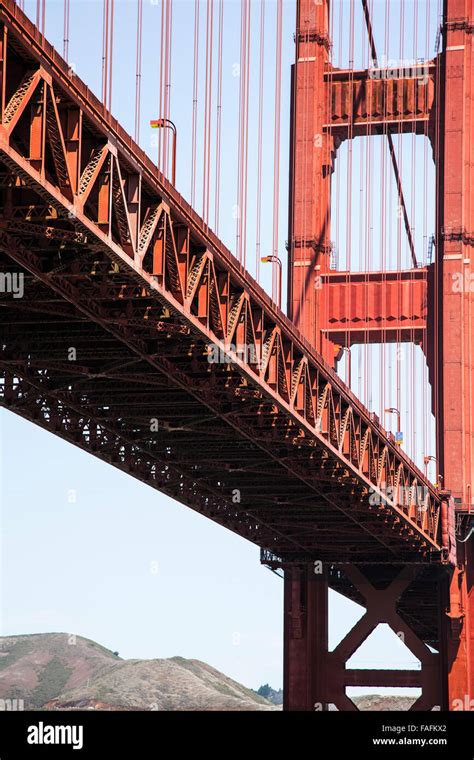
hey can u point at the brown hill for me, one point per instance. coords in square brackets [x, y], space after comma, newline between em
[59, 671]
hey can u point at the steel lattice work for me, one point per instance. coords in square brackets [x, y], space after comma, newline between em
[142, 340]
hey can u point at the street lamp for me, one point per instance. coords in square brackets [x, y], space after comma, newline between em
[167, 124]
[426, 461]
[275, 259]
[399, 436]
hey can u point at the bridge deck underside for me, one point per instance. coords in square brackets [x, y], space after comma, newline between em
[108, 399]
[122, 271]
[230, 453]
[110, 402]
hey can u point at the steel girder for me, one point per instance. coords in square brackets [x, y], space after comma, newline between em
[116, 263]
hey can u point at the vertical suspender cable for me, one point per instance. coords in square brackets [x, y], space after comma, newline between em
[244, 9]
[219, 115]
[111, 53]
[384, 234]
[259, 141]
[414, 384]
[399, 235]
[195, 102]
[66, 30]
[328, 160]
[238, 234]
[105, 54]
[350, 155]
[276, 147]
[162, 88]
[169, 61]
[245, 155]
[366, 243]
[40, 14]
[165, 81]
[166, 85]
[138, 76]
[390, 140]
[206, 173]
[369, 232]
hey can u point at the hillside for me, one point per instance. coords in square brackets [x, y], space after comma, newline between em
[57, 671]
[50, 671]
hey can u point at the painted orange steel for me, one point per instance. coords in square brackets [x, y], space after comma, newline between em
[376, 307]
[311, 167]
[455, 320]
[329, 106]
[431, 306]
[316, 676]
[370, 102]
[171, 330]
[110, 200]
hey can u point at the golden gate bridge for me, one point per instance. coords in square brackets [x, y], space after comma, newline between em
[142, 339]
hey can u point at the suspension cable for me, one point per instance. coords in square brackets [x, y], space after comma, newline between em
[138, 77]
[391, 146]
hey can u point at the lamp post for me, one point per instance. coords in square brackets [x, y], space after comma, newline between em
[394, 410]
[277, 260]
[426, 461]
[167, 124]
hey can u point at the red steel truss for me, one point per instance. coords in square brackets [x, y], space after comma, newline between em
[142, 340]
[377, 307]
[360, 105]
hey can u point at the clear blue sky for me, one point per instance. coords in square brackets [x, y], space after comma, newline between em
[88, 550]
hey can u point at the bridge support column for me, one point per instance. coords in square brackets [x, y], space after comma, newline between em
[454, 320]
[311, 166]
[458, 609]
[305, 639]
[315, 677]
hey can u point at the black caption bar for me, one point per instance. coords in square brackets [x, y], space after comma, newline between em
[100, 734]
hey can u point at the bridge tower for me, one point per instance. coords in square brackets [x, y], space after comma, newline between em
[331, 105]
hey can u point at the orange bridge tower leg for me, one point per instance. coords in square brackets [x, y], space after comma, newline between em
[316, 677]
[454, 152]
[312, 155]
[313, 675]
